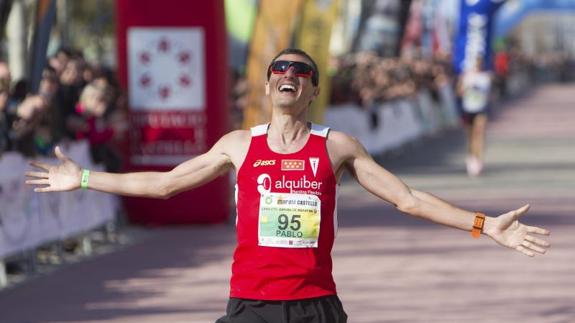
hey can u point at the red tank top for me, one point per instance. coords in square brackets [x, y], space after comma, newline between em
[286, 221]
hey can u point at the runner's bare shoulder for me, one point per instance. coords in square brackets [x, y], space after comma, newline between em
[235, 144]
[342, 144]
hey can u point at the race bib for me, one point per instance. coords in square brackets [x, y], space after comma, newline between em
[475, 100]
[289, 220]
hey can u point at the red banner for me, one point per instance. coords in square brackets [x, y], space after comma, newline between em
[172, 63]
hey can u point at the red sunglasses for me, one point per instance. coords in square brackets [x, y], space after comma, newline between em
[300, 69]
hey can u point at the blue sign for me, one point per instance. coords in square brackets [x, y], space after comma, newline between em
[473, 36]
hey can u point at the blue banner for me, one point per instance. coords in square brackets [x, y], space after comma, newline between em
[511, 15]
[473, 36]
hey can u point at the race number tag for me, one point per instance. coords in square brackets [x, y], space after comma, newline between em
[289, 220]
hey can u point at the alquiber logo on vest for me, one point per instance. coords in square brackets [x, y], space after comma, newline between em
[265, 184]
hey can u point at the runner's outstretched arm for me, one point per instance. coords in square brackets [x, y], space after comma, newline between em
[66, 175]
[505, 229]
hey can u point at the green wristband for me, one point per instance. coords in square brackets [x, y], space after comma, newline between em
[84, 180]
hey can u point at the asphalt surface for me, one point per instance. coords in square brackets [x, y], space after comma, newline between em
[389, 267]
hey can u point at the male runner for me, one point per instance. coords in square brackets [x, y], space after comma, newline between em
[287, 177]
[474, 88]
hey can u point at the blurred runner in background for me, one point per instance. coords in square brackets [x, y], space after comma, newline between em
[474, 88]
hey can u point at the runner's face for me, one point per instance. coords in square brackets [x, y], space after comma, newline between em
[288, 90]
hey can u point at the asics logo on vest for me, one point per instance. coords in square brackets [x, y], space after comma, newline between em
[260, 162]
[265, 184]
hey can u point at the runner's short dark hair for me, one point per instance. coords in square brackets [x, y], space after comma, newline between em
[297, 51]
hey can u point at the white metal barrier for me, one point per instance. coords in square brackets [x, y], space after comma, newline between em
[29, 219]
[399, 121]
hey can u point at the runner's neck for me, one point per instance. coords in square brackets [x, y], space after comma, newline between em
[288, 135]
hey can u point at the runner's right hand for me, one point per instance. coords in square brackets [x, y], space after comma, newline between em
[64, 176]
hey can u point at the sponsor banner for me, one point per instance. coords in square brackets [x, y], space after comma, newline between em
[240, 17]
[412, 35]
[473, 36]
[429, 12]
[172, 59]
[314, 37]
[166, 68]
[166, 87]
[29, 219]
[441, 39]
[45, 17]
[272, 32]
[166, 138]
[382, 23]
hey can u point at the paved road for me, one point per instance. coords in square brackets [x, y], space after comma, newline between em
[389, 267]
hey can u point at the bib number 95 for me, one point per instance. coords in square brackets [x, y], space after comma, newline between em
[284, 222]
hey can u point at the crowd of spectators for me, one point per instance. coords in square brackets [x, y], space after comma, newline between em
[75, 100]
[367, 79]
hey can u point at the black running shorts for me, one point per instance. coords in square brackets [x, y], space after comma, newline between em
[327, 309]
